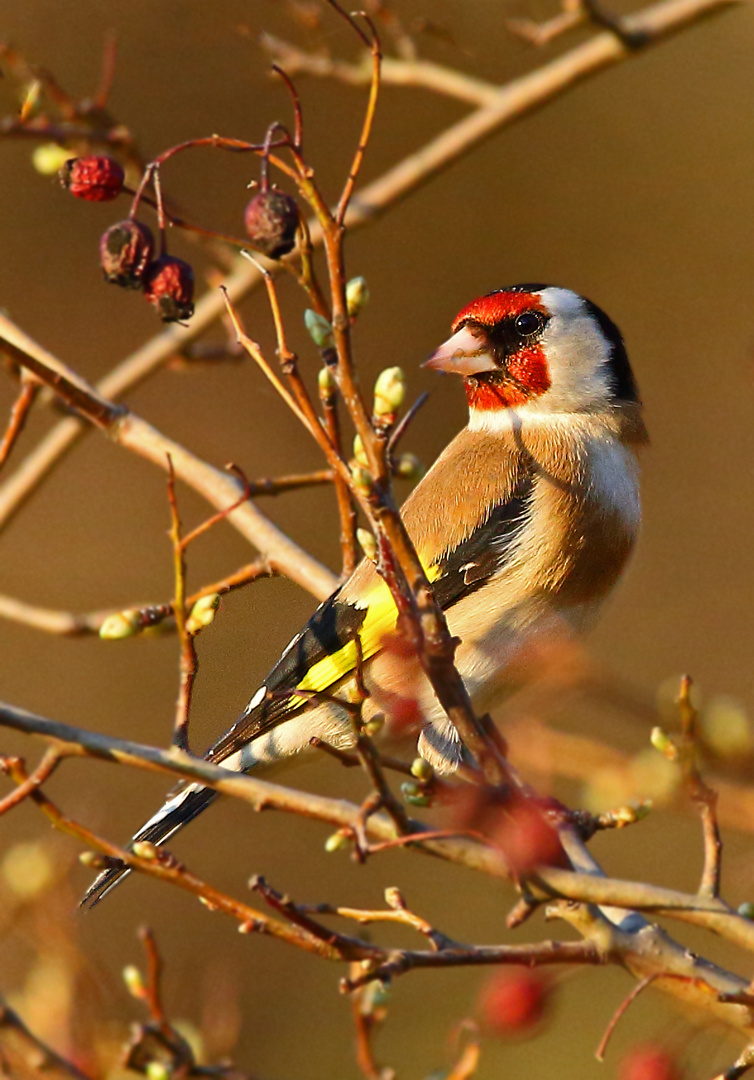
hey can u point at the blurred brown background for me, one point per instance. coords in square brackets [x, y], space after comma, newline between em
[634, 189]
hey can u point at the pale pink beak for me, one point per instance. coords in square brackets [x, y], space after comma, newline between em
[463, 354]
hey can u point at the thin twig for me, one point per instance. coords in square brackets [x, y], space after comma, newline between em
[19, 413]
[69, 624]
[640, 987]
[188, 664]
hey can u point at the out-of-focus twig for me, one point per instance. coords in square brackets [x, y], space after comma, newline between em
[24, 1054]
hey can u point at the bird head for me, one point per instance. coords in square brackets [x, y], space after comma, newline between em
[538, 349]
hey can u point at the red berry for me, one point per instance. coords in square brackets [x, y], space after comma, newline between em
[169, 285]
[96, 178]
[649, 1062]
[513, 1002]
[271, 220]
[125, 250]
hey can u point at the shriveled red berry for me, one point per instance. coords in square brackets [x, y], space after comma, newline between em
[649, 1062]
[514, 1002]
[125, 251]
[97, 178]
[169, 285]
[271, 220]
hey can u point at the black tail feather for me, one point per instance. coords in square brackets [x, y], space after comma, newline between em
[176, 812]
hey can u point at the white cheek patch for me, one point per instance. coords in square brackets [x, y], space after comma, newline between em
[578, 354]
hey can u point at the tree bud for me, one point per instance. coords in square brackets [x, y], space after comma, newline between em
[408, 467]
[389, 391]
[122, 624]
[94, 860]
[326, 382]
[49, 158]
[169, 285]
[422, 770]
[134, 981]
[319, 329]
[337, 841]
[415, 795]
[144, 849]
[125, 251]
[271, 220]
[367, 543]
[362, 479]
[357, 296]
[359, 452]
[202, 613]
[96, 178]
[375, 724]
[662, 742]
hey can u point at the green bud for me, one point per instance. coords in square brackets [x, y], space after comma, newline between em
[49, 158]
[359, 452]
[408, 467]
[368, 543]
[357, 296]
[93, 859]
[122, 624]
[326, 382]
[319, 329]
[389, 391]
[144, 849]
[337, 841]
[362, 479]
[415, 795]
[746, 910]
[157, 1070]
[375, 724]
[134, 981]
[662, 742]
[422, 770]
[202, 613]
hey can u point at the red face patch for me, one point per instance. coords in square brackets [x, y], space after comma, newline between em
[489, 310]
[528, 368]
[524, 373]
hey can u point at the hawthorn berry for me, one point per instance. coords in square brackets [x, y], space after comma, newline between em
[649, 1062]
[271, 220]
[96, 178]
[514, 1002]
[169, 285]
[125, 251]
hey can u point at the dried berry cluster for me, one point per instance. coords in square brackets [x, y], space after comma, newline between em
[127, 249]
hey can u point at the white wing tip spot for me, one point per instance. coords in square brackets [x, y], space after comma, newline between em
[257, 699]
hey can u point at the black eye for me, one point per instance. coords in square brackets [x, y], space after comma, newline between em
[529, 323]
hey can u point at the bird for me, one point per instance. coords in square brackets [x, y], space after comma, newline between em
[524, 523]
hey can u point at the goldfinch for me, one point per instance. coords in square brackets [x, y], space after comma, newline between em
[523, 524]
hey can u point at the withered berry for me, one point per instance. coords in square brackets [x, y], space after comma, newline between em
[125, 250]
[169, 285]
[271, 220]
[96, 178]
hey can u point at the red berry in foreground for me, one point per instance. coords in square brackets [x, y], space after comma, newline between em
[125, 251]
[649, 1062]
[96, 178]
[169, 285]
[271, 220]
[513, 1002]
